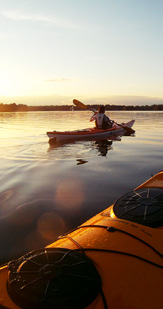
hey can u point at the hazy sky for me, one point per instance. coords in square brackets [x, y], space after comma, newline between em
[57, 50]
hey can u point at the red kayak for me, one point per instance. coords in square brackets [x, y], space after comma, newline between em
[91, 133]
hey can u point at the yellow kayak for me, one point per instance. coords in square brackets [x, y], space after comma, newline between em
[114, 260]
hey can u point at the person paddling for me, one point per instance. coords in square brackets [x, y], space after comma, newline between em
[101, 120]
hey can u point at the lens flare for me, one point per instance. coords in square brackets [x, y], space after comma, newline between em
[70, 194]
[50, 226]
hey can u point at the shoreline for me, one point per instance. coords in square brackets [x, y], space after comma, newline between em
[13, 107]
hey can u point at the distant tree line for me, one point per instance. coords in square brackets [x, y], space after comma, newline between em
[13, 107]
[109, 107]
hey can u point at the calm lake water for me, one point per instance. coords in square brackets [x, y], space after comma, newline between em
[46, 191]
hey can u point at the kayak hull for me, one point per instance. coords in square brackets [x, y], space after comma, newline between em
[87, 134]
[127, 256]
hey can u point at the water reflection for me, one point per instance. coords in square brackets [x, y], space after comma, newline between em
[33, 222]
[81, 161]
[82, 147]
[103, 147]
[30, 225]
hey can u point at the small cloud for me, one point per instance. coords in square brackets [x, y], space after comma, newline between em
[38, 17]
[57, 80]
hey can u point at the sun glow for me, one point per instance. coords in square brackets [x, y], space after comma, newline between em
[51, 52]
[10, 84]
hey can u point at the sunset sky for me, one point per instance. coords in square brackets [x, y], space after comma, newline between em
[55, 50]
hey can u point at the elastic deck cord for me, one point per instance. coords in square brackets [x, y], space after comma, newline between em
[110, 229]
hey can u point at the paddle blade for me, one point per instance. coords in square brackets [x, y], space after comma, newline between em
[79, 104]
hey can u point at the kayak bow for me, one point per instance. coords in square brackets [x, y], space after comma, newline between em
[113, 260]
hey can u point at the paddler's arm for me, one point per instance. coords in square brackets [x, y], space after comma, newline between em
[93, 117]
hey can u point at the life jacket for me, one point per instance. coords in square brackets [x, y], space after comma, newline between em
[99, 120]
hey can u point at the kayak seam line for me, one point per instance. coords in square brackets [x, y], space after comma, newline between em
[113, 230]
[129, 234]
[111, 251]
[123, 253]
